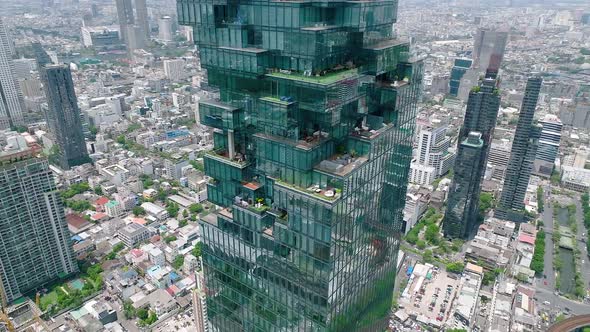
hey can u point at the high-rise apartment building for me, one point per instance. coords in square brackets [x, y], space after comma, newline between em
[470, 164]
[35, 242]
[174, 69]
[142, 17]
[125, 16]
[165, 28]
[459, 69]
[522, 156]
[488, 49]
[433, 156]
[63, 116]
[11, 100]
[548, 145]
[313, 140]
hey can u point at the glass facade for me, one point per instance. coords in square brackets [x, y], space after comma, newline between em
[480, 117]
[459, 69]
[313, 141]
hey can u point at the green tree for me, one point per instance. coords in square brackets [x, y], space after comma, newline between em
[195, 208]
[120, 139]
[185, 213]
[540, 199]
[427, 256]
[197, 165]
[142, 313]
[129, 310]
[432, 234]
[455, 267]
[98, 190]
[138, 211]
[172, 209]
[178, 262]
[170, 238]
[421, 244]
[197, 249]
[486, 202]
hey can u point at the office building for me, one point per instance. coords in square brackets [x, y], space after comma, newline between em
[462, 210]
[459, 69]
[135, 38]
[480, 120]
[488, 49]
[11, 100]
[100, 38]
[63, 117]
[312, 151]
[142, 17]
[174, 69]
[548, 145]
[165, 29]
[522, 156]
[36, 247]
[125, 16]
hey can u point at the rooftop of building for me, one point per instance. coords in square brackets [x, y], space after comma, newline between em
[326, 79]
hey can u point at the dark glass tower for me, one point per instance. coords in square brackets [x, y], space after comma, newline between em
[63, 116]
[522, 156]
[480, 117]
[462, 207]
[313, 141]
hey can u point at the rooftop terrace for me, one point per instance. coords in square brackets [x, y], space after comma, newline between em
[327, 79]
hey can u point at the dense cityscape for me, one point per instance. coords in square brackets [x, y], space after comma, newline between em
[212, 166]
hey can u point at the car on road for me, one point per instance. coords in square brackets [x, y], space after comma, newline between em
[546, 302]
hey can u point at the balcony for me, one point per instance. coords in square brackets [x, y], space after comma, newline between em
[327, 194]
[341, 165]
[222, 155]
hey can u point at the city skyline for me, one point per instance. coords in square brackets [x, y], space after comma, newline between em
[365, 166]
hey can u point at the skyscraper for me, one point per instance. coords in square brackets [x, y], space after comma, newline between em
[488, 49]
[142, 17]
[522, 156]
[35, 242]
[548, 145]
[313, 141]
[462, 207]
[11, 100]
[63, 116]
[470, 164]
[459, 69]
[165, 28]
[125, 16]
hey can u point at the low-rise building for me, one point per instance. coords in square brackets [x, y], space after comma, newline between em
[113, 209]
[133, 233]
[155, 211]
